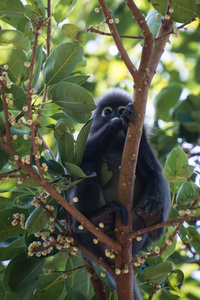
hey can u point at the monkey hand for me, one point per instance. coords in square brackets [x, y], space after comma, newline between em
[151, 214]
[128, 115]
[106, 215]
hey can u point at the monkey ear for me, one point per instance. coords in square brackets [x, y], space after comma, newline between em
[128, 115]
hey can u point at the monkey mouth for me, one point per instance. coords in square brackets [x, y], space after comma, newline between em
[115, 118]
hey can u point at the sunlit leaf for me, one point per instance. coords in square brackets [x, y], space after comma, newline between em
[70, 31]
[153, 22]
[19, 96]
[183, 10]
[187, 193]
[63, 9]
[166, 99]
[12, 8]
[177, 168]
[15, 38]
[38, 6]
[14, 59]
[175, 281]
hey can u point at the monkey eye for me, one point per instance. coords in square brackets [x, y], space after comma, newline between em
[121, 109]
[106, 111]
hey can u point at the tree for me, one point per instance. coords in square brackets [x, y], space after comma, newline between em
[43, 97]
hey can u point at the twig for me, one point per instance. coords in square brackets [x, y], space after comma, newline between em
[99, 286]
[39, 24]
[62, 201]
[5, 108]
[171, 222]
[93, 30]
[48, 46]
[116, 37]
[148, 37]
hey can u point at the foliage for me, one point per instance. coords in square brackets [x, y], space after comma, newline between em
[42, 257]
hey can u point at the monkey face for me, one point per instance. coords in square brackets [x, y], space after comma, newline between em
[112, 113]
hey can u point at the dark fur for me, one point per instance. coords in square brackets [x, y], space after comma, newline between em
[151, 201]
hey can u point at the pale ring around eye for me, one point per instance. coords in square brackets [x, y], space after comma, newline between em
[106, 111]
[121, 109]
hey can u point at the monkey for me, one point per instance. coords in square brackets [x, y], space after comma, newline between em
[97, 198]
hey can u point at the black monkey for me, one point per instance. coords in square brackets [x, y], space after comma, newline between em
[97, 199]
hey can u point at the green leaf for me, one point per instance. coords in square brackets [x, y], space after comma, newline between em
[9, 250]
[2, 120]
[38, 7]
[81, 142]
[74, 170]
[68, 123]
[106, 175]
[38, 219]
[61, 62]
[66, 148]
[153, 22]
[60, 128]
[7, 230]
[197, 71]
[175, 281]
[70, 30]
[187, 193]
[166, 100]
[78, 79]
[159, 273]
[63, 9]
[15, 60]
[19, 97]
[99, 269]
[15, 38]
[49, 287]
[177, 168]
[170, 248]
[4, 158]
[24, 201]
[28, 183]
[37, 65]
[53, 166]
[78, 281]
[72, 97]
[183, 10]
[195, 238]
[21, 146]
[12, 8]
[78, 117]
[30, 268]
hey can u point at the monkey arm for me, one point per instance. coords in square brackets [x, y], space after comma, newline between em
[99, 142]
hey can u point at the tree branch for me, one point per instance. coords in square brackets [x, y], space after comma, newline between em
[61, 200]
[113, 30]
